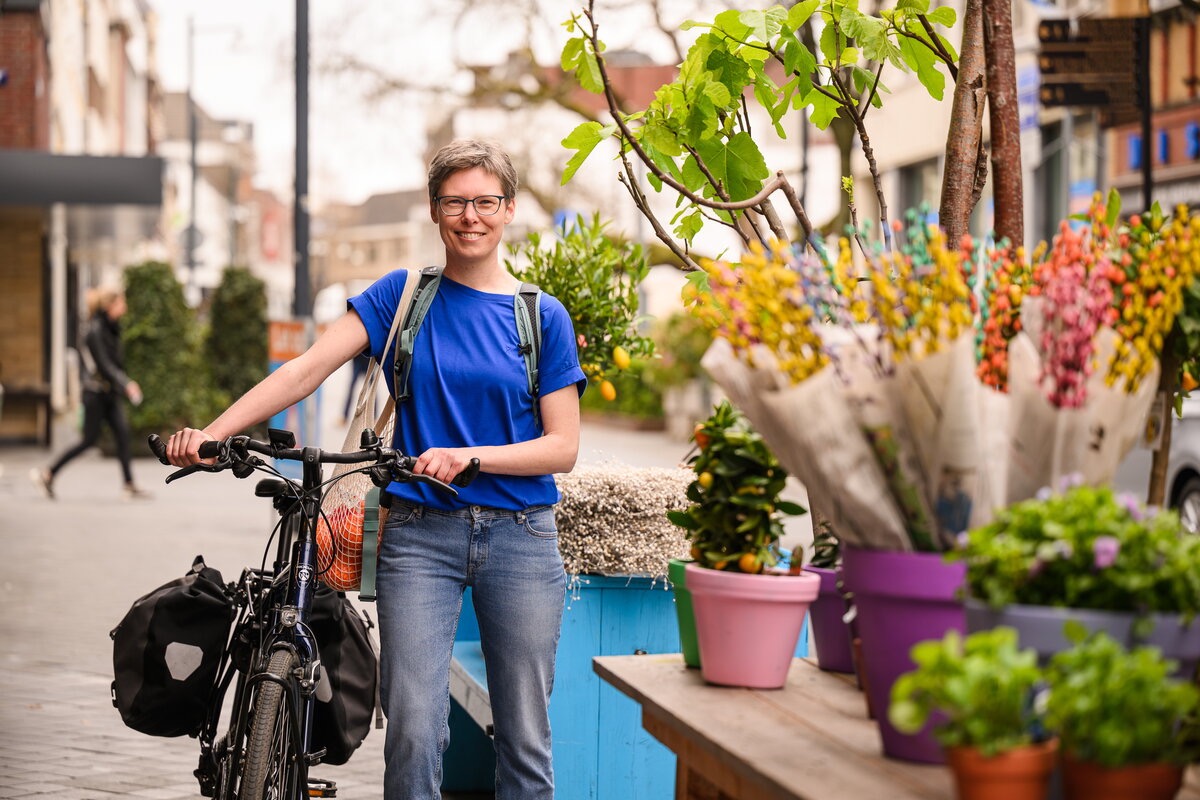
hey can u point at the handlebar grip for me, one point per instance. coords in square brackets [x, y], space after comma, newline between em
[465, 477]
[158, 447]
[210, 449]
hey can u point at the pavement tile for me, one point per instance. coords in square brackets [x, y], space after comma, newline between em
[60, 736]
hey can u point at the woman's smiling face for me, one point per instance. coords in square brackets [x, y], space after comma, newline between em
[471, 237]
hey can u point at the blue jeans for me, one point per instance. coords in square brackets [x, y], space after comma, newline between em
[511, 561]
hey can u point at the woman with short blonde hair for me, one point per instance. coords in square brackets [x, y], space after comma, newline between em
[105, 388]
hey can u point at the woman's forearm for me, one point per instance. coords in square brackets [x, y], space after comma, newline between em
[546, 455]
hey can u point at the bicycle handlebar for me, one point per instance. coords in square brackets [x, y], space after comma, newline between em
[234, 452]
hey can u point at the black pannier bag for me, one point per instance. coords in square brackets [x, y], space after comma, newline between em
[347, 694]
[167, 651]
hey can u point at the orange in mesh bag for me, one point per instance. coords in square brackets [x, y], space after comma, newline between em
[351, 506]
[341, 546]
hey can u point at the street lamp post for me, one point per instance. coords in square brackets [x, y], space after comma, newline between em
[302, 300]
[190, 233]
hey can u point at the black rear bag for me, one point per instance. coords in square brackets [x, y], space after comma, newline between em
[347, 693]
[167, 651]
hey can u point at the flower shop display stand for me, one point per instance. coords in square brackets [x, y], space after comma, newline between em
[810, 740]
[600, 748]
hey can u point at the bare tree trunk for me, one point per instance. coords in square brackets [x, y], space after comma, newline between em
[1168, 385]
[964, 141]
[1005, 120]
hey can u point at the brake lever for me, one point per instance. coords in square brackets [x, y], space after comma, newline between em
[435, 483]
[189, 470]
[406, 475]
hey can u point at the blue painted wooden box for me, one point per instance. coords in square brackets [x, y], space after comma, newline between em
[601, 750]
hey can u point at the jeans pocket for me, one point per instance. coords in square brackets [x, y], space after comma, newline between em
[541, 523]
[400, 514]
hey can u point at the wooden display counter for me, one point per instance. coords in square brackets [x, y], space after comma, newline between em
[809, 741]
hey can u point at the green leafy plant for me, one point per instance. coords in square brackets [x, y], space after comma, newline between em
[637, 398]
[1115, 707]
[680, 341]
[734, 520]
[1085, 547]
[983, 687]
[236, 344]
[695, 136]
[163, 353]
[596, 278]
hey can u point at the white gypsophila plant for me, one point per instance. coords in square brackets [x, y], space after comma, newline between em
[612, 519]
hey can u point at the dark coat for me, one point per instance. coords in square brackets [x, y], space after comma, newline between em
[103, 361]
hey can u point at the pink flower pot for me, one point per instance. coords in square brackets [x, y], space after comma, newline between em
[748, 625]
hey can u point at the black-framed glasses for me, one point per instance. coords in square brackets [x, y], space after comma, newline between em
[485, 205]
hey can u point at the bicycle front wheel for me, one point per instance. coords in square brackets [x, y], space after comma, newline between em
[270, 771]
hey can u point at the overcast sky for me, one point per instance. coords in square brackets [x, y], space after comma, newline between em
[243, 70]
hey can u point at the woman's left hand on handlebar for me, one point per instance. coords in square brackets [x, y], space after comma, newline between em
[443, 463]
[183, 445]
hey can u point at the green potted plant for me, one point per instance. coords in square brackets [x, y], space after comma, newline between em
[1127, 727]
[979, 692]
[1091, 555]
[748, 619]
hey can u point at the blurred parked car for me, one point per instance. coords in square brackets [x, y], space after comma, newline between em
[1183, 468]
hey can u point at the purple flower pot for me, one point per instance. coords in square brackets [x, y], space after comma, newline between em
[830, 634]
[902, 599]
[1041, 628]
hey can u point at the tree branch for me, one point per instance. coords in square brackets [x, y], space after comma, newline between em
[874, 88]
[639, 200]
[628, 137]
[935, 44]
[869, 153]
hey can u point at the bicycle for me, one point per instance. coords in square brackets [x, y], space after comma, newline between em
[266, 751]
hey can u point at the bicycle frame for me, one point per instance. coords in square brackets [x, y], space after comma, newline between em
[274, 609]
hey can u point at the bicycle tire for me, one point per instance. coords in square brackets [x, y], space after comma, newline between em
[268, 769]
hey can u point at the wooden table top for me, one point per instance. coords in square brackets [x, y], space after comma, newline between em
[811, 740]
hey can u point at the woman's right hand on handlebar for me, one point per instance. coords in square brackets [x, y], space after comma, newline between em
[183, 447]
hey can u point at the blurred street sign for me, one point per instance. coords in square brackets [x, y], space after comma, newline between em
[1091, 62]
[1089, 93]
[183, 238]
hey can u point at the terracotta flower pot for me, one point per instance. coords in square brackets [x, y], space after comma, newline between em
[1083, 780]
[1020, 774]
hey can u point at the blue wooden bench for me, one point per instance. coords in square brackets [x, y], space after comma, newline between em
[468, 684]
[601, 751]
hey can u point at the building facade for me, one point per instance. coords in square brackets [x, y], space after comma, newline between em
[80, 188]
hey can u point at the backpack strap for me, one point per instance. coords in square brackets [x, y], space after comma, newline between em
[370, 546]
[527, 306]
[427, 287]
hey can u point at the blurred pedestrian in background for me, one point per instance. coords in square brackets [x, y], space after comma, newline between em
[105, 386]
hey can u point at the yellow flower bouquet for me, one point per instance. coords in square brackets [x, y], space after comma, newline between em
[872, 373]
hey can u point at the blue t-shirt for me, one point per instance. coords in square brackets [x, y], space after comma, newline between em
[468, 385]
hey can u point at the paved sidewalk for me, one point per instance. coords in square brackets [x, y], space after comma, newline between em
[69, 571]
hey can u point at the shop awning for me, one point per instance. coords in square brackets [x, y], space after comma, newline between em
[38, 178]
